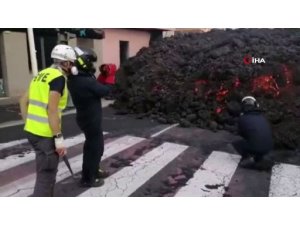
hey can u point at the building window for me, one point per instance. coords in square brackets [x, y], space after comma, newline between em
[124, 51]
[49, 44]
[43, 47]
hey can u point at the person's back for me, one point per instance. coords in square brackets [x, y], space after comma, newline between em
[39, 92]
[86, 94]
[256, 130]
[41, 108]
[256, 135]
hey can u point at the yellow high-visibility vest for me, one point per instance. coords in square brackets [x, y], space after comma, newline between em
[37, 115]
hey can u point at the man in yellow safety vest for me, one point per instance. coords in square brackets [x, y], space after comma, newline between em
[41, 109]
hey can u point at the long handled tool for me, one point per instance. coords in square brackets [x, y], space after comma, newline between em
[65, 158]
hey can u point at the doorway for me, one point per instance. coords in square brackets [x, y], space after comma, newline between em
[124, 51]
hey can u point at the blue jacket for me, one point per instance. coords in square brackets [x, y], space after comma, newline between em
[256, 130]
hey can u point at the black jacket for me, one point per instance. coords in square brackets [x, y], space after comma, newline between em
[256, 130]
[86, 94]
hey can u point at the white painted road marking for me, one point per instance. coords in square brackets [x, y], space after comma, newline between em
[11, 123]
[24, 186]
[12, 143]
[15, 160]
[213, 176]
[129, 179]
[164, 130]
[121, 143]
[285, 181]
[211, 180]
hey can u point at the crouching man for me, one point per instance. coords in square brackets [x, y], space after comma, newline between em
[256, 132]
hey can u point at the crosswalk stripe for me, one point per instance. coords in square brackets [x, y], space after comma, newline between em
[24, 186]
[285, 180]
[19, 142]
[212, 177]
[129, 179]
[121, 144]
[15, 160]
[12, 143]
[210, 180]
[164, 130]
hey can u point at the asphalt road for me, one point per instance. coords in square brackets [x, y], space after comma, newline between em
[145, 158]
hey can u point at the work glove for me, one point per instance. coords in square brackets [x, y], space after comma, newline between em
[60, 146]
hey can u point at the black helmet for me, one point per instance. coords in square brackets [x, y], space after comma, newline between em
[85, 59]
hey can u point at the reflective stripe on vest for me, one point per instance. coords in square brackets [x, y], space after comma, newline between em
[37, 118]
[40, 104]
[37, 115]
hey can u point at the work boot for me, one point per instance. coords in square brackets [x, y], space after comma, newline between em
[102, 174]
[247, 162]
[97, 182]
[263, 164]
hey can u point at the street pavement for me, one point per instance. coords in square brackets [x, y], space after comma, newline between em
[145, 158]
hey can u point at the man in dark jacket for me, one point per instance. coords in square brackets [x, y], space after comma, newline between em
[257, 139]
[86, 94]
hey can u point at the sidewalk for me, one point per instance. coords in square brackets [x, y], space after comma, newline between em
[10, 114]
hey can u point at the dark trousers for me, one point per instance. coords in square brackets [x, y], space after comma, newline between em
[243, 148]
[92, 152]
[46, 165]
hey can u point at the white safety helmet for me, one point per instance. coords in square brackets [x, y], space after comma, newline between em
[250, 100]
[64, 53]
